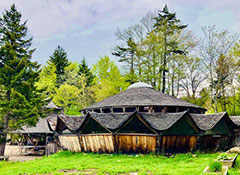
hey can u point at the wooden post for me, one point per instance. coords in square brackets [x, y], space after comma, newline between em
[115, 143]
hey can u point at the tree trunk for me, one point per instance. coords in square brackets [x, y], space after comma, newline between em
[164, 63]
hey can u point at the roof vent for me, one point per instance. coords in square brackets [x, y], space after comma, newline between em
[140, 85]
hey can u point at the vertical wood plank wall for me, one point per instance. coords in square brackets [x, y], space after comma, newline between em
[136, 143]
[100, 143]
[180, 144]
[51, 148]
[236, 138]
[132, 143]
[70, 142]
[2, 146]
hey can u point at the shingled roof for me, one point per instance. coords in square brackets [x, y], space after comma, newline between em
[51, 105]
[160, 121]
[73, 123]
[40, 128]
[52, 121]
[207, 121]
[141, 96]
[109, 120]
[236, 120]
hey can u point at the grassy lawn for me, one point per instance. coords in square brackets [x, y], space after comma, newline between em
[82, 163]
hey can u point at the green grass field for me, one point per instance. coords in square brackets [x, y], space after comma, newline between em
[82, 163]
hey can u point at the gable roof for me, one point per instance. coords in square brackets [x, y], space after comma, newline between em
[160, 121]
[51, 105]
[40, 128]
[235, 120]
[207, 121]
[141, 96]
[52, 121]
[109, 120]
[73, 123]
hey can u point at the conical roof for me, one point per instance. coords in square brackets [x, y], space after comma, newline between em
[140, 94]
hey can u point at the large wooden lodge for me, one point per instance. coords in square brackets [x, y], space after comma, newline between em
[138, 120]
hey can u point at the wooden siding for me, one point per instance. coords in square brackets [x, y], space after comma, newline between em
[70, 142]
[2, 146]
[100, 143]
[51, 148]
[236, 138]
[214, 143]
[173, 144]
[136, 143]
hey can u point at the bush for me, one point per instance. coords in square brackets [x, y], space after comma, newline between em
[215, 166]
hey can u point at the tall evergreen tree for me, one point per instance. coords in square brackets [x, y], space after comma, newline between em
[60, 60]
[127, 54]
[86, 71]
[20, 103]
[167, 25]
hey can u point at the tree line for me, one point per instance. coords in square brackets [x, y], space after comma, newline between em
[159, 50]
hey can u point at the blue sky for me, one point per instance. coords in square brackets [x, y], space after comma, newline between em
[85, 28]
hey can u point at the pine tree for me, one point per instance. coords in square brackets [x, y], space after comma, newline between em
[167, 25]
[127, 54]
[60, 60]
[85, 70]
[20, 103]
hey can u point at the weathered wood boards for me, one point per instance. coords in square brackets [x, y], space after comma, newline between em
[2, 146]
[134, 143]
[70, 142]
[108, 143]
[51, 148]
[180, 144]
[100, 143]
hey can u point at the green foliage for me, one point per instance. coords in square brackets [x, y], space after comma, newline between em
[70, 75]
[73, 98]
[86, 71]
[108, 80]
[47, 80]
[60, 60]
[66, 96]
[215, 166]
[21, 102]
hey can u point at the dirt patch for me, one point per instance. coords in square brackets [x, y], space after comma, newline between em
[23, 158]
[75, 172]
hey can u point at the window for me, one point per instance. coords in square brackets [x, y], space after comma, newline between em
[118, 110]
[131, 109]
[106, 110]
[97, 110]
[143, 109]
[157, 109]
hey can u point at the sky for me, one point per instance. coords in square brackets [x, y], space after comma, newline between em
[85, 28]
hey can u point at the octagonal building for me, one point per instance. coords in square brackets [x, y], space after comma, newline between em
[142, 97]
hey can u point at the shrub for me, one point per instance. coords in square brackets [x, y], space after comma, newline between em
[215, 166]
